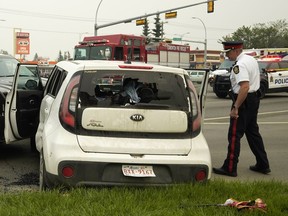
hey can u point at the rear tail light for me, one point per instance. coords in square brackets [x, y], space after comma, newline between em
[201, 175]
[68, 171]
[69, 103]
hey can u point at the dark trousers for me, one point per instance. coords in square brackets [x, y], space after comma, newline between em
[246, 124]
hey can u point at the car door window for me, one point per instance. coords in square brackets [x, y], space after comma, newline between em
[55, 81]
[283, 65]
[273, 67]
[29, 78]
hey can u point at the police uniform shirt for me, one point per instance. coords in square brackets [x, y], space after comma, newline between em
[245, 69]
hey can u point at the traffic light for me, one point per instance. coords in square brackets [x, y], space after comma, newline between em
[210, 6]
[140, 22]
[170, 15]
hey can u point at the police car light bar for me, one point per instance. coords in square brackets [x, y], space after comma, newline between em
[270, 58]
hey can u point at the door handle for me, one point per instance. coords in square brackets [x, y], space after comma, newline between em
[32, 102]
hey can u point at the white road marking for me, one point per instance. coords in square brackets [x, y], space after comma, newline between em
[263, 113]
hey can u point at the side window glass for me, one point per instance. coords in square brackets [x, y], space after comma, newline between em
[136, 54]
[129, 54]
[81, 54]
[50, 81]
[137, 42]
[55, 81]
[283, 65]
[274, 66]
[59, 82]
[118, 53]
[29, 78]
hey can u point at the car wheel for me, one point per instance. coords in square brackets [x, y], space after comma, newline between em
[33, 144]
[221, 94]
[262, 90]
[43, 175]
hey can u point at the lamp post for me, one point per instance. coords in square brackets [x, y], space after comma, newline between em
[2, 20]
[205, 41]
[162, 31]
[95, 25]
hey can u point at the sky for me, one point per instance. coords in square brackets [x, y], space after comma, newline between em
[59, 25]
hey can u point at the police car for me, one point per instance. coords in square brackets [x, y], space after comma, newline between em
[273, 74]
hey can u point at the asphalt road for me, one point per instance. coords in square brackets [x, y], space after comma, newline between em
[273, 123]
[19, 167]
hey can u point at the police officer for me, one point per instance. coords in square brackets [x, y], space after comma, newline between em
[245, 81]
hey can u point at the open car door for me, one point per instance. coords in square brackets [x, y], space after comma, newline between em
[203, 93]
[23, 103]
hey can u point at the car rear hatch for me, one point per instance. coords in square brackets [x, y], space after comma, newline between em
[134, 131]
[153, 115]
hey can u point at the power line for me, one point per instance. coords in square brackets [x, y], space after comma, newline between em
[186, 25]
[43, 15]
[44, 30]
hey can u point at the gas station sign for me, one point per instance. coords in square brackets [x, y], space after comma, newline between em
[22, 43]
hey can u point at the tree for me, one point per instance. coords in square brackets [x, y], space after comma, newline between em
[4, 52]
[67, 55]
[60, 57]
[261, 35]
[36, 58]
[146, 31]
[158, 32]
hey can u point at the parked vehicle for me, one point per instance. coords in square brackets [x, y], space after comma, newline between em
[273, 78]
[220, 79]
[196, 75]
[132, 48]
[28, 95]
[116, 123]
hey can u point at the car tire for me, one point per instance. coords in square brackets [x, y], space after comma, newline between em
[43, 183]
[33, 144]
[221, 94]
[262, 90]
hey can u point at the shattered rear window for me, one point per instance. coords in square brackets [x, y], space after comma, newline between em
[131, 89]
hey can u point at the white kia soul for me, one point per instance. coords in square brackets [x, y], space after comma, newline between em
[117, 123]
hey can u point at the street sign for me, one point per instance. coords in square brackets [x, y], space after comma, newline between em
[177, 39]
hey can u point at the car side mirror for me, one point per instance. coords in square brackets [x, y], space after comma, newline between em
[31, 84]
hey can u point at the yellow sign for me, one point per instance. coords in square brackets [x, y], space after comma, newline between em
[171, 15]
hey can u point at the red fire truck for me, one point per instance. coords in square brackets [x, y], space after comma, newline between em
[131, 47]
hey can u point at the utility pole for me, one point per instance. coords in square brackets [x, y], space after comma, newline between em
[96, 26]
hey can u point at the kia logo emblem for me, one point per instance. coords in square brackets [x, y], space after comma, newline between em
[137, 117]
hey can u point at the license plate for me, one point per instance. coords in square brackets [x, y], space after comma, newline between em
[138, 171]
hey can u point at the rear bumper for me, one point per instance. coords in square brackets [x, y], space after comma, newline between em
[100, 173]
